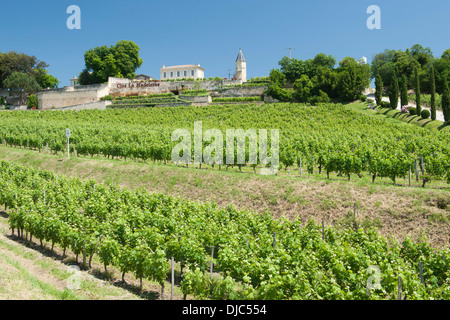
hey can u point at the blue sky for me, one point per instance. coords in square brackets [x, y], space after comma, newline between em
[210, 32]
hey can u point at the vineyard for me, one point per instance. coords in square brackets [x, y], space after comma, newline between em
[253, 255]
[329, 138]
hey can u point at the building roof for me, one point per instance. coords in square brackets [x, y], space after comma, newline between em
[183, 66]
[144, 76]
[240, 56]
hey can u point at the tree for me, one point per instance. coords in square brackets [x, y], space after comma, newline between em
[21, 84]
[120, 61]
[421, 54]
[417, 89]
[393, 91]
[446, 54]
[378, 89]
[45, 80]
[353, 79]
[446, 101]
[323, 60]
[12, 61]
[325, 80]
[277, 77]
[404, 91]
[386, 62]
[303, 88]
[433, 94]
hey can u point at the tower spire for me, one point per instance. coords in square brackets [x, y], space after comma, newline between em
[240, 56]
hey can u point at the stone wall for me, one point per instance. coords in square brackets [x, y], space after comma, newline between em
[240, 92]
[197, 100]
[100, 105]
[71, 96]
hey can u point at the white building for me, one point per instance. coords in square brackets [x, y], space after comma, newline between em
[188, 71]
[241, 67]
[74, 82]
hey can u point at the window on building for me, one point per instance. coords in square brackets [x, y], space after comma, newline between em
[192, 72]
[165, 74]
[178, 73]
[184, 73]
[171, 74]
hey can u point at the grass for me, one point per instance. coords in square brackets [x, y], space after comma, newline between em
[396, 116]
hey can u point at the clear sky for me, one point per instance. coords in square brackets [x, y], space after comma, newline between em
[210, 32]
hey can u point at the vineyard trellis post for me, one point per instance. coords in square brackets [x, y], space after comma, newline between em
[68, 143]
[421, 272]
[173, 280]
[409, 176]
[300, 165]
[323, 231]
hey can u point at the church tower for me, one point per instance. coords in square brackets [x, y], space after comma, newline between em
[241, 67]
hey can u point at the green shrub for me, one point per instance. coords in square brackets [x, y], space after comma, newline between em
[363, 98]
[412, 111]
[279, 93]
[32, 102]
[2, 101]
[425, 114]
[108, 97]
[370, 101]
[385, 104]
[321, 98]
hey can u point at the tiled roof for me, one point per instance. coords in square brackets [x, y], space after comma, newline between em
[183, 66]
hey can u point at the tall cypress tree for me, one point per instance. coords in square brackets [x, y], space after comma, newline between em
[419, 108]
[433, 94]
[378, 89]
[394, 91]
[404, 91]
[446, 101]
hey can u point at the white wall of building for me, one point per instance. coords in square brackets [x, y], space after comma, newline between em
[187, 72]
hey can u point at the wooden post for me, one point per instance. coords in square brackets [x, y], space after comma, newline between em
[173, 280]
[410, 176]
[247, 242]
[300, 166]
[354, 210]
[323, 231]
